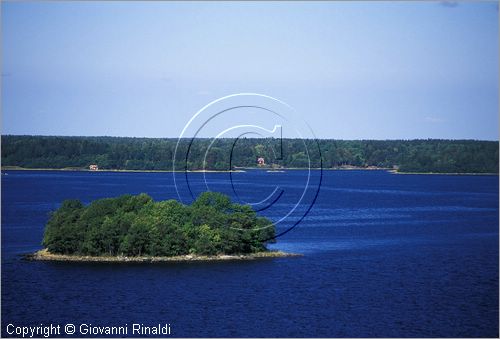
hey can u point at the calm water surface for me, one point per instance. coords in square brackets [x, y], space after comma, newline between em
[384, 255]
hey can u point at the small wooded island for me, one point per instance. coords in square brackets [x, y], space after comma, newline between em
[136, 228]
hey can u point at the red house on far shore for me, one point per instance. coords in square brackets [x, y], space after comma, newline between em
[93, 167]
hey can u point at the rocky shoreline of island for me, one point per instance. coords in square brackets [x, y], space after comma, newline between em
[45, 255]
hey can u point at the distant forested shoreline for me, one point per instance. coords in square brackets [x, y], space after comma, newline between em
[128, 153]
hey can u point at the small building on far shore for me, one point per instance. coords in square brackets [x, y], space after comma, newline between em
[260, 161]
[93, 167]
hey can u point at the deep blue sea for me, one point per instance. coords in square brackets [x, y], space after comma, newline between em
[384, 255]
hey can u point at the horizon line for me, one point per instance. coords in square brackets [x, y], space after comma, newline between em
[176, 138]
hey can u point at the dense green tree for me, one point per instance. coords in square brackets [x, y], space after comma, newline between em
[433, 155]
[136, 226]
[62, 233]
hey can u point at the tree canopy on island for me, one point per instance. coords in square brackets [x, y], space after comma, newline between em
[433, 155]
[138, 226]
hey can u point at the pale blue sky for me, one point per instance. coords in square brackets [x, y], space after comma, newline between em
[354, 70]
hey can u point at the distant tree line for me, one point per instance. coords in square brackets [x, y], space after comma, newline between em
[138, 226]
[433, 155]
